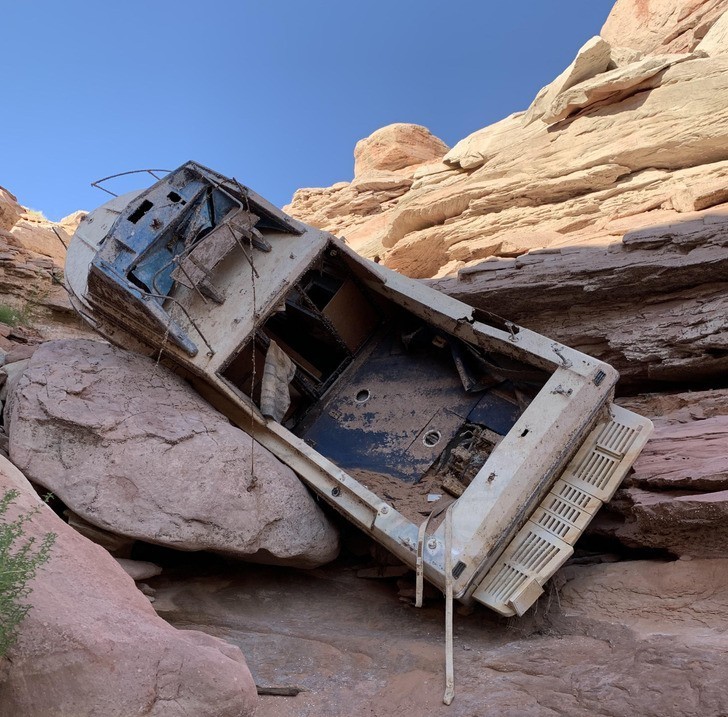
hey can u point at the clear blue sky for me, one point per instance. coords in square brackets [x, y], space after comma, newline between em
[274, 92]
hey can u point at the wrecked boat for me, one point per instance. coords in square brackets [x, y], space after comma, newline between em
[474, 450]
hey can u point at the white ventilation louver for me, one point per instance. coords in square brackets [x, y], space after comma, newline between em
[546, 541]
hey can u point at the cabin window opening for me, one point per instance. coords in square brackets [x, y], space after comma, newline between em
[140, 211]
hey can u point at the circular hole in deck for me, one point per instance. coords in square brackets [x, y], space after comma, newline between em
[432, 438]
[363, 396]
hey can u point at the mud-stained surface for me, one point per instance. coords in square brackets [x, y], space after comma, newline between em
[409, 499]
[350, 643]
[357, 650]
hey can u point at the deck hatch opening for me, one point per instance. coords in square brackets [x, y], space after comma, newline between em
[432, 438]
[363, 396]
[140, 211]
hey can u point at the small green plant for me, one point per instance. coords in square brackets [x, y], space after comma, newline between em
[20, 558]
[9, 315]
[36, 215]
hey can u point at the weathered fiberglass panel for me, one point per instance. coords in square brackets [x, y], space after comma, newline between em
[377, 417]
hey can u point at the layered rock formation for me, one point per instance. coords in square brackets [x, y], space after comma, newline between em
[92, 645]
[661, 25]
[132, 449]
[32, 255]
[619, 142]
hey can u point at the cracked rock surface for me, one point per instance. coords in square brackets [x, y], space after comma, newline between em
[132, 449]
[92, 645]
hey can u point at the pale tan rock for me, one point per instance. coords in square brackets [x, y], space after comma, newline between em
[715, 41]
[92, 644]
[381, 181]
[694, 197]
[132, 449]
[42, 237]
[614, 167]
[622, 56]
[487, 143]
[609, 86]
[397, 146]
[592, 59]
[71, 222]
[657, 129]
[661, 25]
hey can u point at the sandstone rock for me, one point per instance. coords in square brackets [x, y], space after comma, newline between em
[608, 87]
[715, 41]
[134, 450]
[686, 598]
[397, 146]
[579, 661]
[39, 236]
[12, 372]
[686, 456]
[677, 497]
[20, 353]
[670, 409]
[650, 304]
[679, 522]
[701, 195]
[92, 645]
[10, 210]
[592, 59]
[635, 154]
[139, 569]
[661, 25]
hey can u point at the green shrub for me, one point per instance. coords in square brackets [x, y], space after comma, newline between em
[9, 315]
[20, 557]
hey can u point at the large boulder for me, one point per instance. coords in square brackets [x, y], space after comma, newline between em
[92, 646]
[397, 146]
[131, 448]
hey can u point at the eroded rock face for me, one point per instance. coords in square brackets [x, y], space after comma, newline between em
[92, 645]
[619, 142]
[132, 449]
[661, 25]
[676, 499]
[10, 210]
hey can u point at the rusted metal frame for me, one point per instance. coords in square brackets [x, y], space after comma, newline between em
[97, 183]
[211, 351]
[242, 248]
[314, 309]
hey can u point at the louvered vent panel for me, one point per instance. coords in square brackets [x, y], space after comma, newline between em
[546, 541]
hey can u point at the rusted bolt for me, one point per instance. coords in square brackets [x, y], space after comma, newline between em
[336, 492]
[432, 544]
